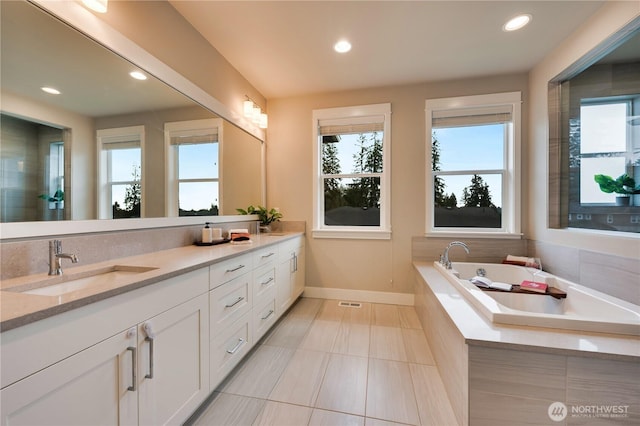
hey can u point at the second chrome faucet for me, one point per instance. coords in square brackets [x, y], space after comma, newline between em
[444, 259]
[56, 256]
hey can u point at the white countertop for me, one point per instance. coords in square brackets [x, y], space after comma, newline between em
[18, 309]
[476, 329]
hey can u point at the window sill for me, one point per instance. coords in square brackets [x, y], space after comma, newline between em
[472, 234]
[352, 234]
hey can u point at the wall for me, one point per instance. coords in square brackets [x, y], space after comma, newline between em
[372, 265]
[607, 262]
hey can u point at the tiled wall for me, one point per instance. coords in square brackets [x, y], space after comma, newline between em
[31, 256]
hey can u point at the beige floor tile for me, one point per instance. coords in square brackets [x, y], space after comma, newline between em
[258, 375]
[352, 339]
[281, 414]
[344, 386]
[377, 422]
[390, 394]
[305, 307]
[361, 315]
[300, 382]
[409, 317]
[331, 311]
[230, 410]
[417, 346]
[331, 418]
[387, 343]
[385, 315]
[288, 333]
[434, 407]
[321, 335]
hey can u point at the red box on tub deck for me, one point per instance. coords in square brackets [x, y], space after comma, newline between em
[533, 286]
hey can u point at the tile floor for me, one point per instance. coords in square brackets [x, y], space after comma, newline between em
[323, 364]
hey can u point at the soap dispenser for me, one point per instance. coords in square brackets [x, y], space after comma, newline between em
[207, 234]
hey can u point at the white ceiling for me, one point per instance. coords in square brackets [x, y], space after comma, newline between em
[284, 48]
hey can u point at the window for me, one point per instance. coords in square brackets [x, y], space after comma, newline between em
[352, 169]
[120, 172]
[473, 152]
[193, 167]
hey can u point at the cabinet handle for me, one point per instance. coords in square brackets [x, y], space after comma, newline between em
[267, 281]
[295, 262]
[235, 269]
[267, 255]
[238, 300]
[134, 368]
[268, 315]
[150, 375]
[236, 347]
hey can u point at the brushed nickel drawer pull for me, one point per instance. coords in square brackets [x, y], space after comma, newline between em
[236, 347]
[235, 269]
[134, 368]
[268, 315]
[267, 255]
[267, 281]
[238, 300]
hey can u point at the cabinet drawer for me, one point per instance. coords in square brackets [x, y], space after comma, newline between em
[220, 273]
[264, 282]
[229, 348]
[265, 256]
[228, 302]
[264, 316]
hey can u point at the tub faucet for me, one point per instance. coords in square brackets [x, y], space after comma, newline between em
[444, 259]
[56, 256]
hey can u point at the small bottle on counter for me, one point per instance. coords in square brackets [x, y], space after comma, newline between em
[207, 235]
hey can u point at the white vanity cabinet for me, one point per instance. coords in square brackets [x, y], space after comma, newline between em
[290, 278]
[154, 371]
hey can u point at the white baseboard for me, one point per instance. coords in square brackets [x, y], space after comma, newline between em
[359, 295]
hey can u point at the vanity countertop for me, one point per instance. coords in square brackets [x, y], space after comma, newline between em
[478, 330]
[18, 309]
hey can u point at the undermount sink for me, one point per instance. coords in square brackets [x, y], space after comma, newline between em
[59, 285]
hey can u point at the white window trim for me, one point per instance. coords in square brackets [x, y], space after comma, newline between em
[355, 113]
[511, 200]
[104, 136]
[171, 169]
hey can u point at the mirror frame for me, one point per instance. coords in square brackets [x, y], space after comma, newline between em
[82, 20]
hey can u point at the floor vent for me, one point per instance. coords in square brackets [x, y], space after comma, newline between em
[350, 304]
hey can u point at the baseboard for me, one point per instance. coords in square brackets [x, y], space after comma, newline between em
[359, 295]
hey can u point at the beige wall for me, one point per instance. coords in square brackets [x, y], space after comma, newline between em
[606, 22]
[371, 265]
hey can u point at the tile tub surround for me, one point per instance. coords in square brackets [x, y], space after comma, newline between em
[486, 368]
[328, 365]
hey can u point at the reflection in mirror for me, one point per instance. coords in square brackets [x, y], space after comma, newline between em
[97, 95]
[599, 142]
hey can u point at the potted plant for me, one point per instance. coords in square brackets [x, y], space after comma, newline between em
[267, 217]
[624, 185]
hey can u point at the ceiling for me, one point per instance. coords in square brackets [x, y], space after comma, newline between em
[284, 48]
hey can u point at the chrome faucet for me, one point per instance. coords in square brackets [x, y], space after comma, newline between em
[56, 256]
[444, 258]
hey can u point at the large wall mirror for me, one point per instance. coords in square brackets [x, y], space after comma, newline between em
[54, 164]
[594, 145]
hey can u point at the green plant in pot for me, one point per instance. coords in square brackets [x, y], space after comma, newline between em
[267, 217]
[624, 185]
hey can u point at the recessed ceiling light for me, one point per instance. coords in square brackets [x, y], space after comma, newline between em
[50, 90]
[99, 6]
[343, 46]
[138, 75]
[517, 22]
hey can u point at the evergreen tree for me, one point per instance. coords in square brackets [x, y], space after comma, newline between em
[133, 194]
[333, 193]
[477, 194]
[440, 198]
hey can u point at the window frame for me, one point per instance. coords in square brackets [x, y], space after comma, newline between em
[352, 115]
[112, 136]
[172, 182]
[511, 175]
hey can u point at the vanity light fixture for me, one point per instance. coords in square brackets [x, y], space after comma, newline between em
[99, 6]
[517, 22]
[50, 90]
[254, 113]
[138, 75]
[342, 46]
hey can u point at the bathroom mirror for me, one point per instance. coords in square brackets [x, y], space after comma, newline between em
[49, 150]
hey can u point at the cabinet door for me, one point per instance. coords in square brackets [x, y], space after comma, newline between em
[298, 279]
[92, 387]
[284, 285]
[173, 362]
